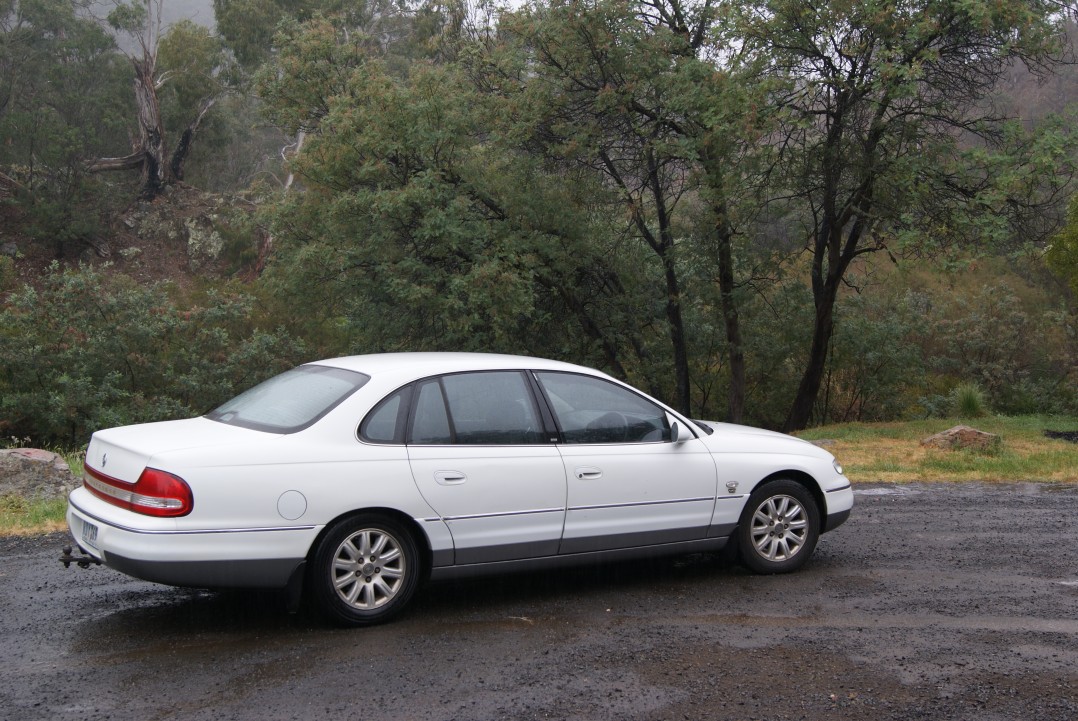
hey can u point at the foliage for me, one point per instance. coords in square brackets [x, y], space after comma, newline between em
[7, 274]
[63, 93]
[413, 202]
[889, 139]
[969, 401]
[92, 350]
[1062, 254]
[1020, 359]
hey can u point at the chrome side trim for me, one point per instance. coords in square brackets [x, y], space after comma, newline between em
[187, 532]
[501, 514]
[646, 503]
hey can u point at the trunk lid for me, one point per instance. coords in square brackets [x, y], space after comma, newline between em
[122, 453]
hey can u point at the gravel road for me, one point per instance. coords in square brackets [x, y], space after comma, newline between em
[933, 602]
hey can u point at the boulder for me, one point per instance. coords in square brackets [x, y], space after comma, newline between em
[962, 437]
[33, 473]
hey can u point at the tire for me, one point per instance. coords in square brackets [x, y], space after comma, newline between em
[779, 528]
[365, 570]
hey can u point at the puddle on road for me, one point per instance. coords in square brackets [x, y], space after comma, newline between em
[890, 491]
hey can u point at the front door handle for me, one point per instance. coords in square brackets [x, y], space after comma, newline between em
[587, 473]
[449, 478]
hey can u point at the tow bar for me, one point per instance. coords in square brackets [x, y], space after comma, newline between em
[83, 561]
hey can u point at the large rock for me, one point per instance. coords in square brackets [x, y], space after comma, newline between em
[962, 437]
[33, 473]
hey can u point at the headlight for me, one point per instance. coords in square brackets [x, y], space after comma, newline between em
[838, 467]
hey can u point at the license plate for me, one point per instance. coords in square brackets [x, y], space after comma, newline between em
[89, 533]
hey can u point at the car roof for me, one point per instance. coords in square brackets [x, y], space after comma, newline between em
[410, 366]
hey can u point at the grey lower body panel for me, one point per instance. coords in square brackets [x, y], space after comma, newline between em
[594, 544]
[835, 520]
[261, 573]
[577, 559]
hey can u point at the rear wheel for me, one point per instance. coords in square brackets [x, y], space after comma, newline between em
[779, 528]
[365, 570]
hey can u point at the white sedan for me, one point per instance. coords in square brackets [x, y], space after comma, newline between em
[355, 479]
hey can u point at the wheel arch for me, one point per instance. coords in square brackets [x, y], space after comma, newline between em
[422, 542]
[804, 479]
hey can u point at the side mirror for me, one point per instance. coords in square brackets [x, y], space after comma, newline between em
[675, 432]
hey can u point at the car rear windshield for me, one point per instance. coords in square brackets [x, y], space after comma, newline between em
[291, 401]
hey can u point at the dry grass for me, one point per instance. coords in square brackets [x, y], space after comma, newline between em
[892, 452]
[22, 517]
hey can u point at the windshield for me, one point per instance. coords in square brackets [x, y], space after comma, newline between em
[291, 401]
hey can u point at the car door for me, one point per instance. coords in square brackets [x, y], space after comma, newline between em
[629, 484]
[483, 460]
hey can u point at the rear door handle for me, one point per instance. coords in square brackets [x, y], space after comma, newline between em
[449, 478]
[587, 473]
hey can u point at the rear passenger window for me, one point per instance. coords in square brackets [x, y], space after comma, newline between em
[488, 408]
[430, 426]
[385, 424]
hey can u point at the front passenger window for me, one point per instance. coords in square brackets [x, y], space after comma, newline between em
[593, 410]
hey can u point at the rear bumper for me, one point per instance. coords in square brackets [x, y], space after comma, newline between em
[259, 573]
[230, 558]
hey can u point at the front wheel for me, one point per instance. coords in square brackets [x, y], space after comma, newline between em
[779, 528]
[365, 570]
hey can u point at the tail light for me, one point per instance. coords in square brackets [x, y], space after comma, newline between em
[155, 493]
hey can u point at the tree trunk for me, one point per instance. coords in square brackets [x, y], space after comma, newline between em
[724, 251]
[155, 169]
[735, 398]
[831, 258]
[677, 335]
[150, 154]
[183, 147]
[664, 248]
[823, 328]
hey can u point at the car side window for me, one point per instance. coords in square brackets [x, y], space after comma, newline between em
[482, 408]
[430, 422]
[593, 410]
[385, 424]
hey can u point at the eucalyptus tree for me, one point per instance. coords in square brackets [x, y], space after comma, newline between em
[890, 137]
[185, 60]
[652, 100]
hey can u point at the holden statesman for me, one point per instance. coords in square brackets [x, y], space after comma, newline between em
[351, 481]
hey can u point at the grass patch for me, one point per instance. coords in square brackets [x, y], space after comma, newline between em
[22, 517]
[892, 452]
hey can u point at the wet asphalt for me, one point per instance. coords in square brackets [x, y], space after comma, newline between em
[933, 602]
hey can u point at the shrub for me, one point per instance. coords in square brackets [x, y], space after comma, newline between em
[91, 350]
[968, 401]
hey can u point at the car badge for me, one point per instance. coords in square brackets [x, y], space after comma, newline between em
[104, 459]
[731, 487]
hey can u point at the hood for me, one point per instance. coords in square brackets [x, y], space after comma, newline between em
[731, 437]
